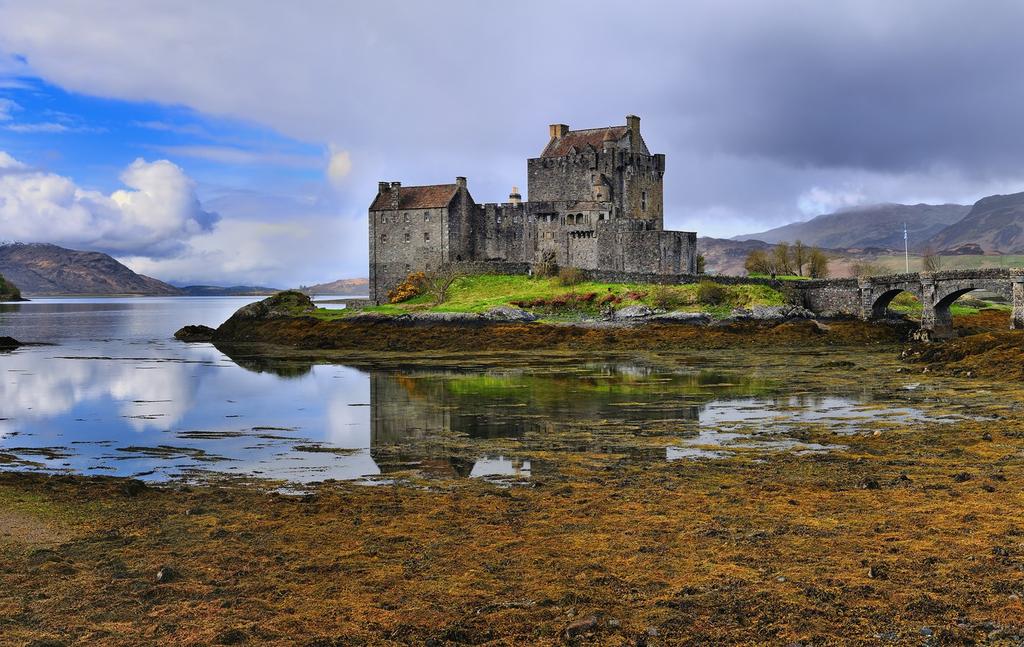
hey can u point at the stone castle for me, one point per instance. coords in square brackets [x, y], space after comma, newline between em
[594, 202]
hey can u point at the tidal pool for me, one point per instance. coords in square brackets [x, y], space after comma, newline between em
[115, 394]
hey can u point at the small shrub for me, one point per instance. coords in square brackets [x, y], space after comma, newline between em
[412, 286]
[609, 298]
[664, 297]
[547, 267]
[635, 295]
[570, 276]
[711, 294]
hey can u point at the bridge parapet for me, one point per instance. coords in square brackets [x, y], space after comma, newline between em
[869, 297]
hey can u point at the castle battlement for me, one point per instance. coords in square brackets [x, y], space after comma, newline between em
[594, 201]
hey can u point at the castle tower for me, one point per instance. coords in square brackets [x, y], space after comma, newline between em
[600, 165]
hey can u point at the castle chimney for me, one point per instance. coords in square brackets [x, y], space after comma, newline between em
[633, 123]
[395, 194]
[558, 130]
[382, 187]
[460, 182]
[514, 197]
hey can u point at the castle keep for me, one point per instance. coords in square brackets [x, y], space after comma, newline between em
[594, 202]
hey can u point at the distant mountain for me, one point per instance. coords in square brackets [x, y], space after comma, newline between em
[42, 269]
[995, 223]
[877, 226]
[232, 291]
[341, 288]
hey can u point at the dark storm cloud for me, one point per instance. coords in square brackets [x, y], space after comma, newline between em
[767, 111]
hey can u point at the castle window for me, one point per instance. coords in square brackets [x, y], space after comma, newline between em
[426, 216]
[383, 238]
[407, 267]
[408, 237]
[406, 214]
[426, 236]
[643, 201]
[600, 216]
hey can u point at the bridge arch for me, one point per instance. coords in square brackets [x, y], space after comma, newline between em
[882, 296]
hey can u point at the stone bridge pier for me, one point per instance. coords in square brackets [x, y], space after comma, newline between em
[937, 291]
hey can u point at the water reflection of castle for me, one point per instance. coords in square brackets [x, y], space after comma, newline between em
[423, 419]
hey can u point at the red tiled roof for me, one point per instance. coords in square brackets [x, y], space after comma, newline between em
[432, 196]
[581, 138]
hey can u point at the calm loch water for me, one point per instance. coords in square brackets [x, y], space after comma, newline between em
[116, 394]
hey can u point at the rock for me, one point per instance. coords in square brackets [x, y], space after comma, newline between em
[230, 637]
[691, 318]
[441, 317]
[987, 437]
[508, 313]
[779, 313]
[652, 631]
[132, 488]
[961, 477]
[166, 574]
[926, 631]
[192, 334]
[870, 484]
[289, 303]
[580, 626]
[614, 623]
[9, 343]
[638, 311]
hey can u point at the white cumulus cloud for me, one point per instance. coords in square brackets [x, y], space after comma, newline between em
[151, 217]
[339, 165]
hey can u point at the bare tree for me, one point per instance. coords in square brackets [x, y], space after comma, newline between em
[757, 262]
[438, 282]
[930, 260]
[780, 259]
[864, 269]
[817, 264]
[801, 256]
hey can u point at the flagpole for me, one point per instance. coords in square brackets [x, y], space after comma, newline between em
[906, 247]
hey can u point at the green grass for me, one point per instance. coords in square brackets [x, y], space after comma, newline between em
[477, 294]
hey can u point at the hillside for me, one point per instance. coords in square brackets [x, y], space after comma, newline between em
[995, 223]
[341, 288]
[876, 226]
[42, 269]
[723, 256]
[231, 291]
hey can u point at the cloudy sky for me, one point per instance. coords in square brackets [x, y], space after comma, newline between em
[241, 142]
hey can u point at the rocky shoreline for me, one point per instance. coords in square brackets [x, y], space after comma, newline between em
[289, 319]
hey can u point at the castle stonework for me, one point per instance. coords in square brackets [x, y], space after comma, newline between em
[594, 202]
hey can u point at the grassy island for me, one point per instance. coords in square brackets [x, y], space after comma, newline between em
[562, 297]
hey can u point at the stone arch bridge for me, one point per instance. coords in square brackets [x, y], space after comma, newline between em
[869, 298]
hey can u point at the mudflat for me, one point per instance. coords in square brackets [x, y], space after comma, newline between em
[895, 530]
